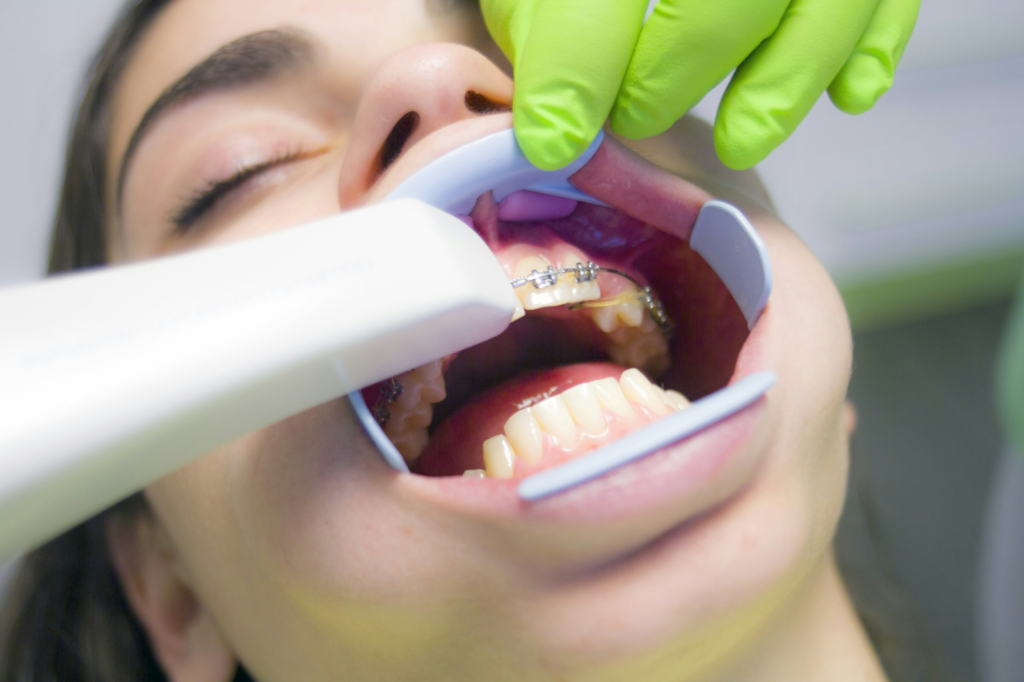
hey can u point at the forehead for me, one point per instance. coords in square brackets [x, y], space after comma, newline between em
[353, 38]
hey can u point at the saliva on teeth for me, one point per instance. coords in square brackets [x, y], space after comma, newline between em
[581, 412]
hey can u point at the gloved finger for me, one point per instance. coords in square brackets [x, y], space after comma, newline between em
[508, 22]
[568, 68]
[774, 88]
[685, 49]
[868, 72]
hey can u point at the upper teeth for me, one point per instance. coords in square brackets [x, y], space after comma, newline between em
[539, 284]
[551, 287]
[412, 409]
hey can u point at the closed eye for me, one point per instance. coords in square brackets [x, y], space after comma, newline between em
[206, 199]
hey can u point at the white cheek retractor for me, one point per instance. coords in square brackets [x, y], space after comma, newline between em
[722, 236]
[113, 378]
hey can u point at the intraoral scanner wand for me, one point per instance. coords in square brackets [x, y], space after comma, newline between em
[111, 379]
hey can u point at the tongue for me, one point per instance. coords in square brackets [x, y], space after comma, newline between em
[456, 445]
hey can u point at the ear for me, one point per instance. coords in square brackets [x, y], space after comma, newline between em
[185, 640]
[849, 417]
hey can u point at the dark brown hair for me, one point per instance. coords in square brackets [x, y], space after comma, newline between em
[79, 237]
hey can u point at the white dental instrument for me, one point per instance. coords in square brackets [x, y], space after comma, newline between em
[722, 235]
[113, 378]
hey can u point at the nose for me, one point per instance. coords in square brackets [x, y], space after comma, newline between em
[416, 92]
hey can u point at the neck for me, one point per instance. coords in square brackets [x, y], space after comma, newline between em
[817, 637]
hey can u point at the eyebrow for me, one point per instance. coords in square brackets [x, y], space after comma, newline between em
[254, 58]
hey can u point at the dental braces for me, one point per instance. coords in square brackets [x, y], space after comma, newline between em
[391, 389]
[389, 392]
[588, 272]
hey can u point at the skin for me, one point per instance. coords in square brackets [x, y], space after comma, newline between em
[295, 551]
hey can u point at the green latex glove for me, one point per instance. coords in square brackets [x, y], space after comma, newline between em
[577, 62]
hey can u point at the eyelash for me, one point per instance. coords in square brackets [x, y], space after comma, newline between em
[206, 198]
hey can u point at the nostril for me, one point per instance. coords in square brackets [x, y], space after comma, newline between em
[481, 104]
[396, 140]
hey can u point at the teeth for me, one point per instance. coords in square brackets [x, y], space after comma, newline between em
[610, 395]
[630, 313]
[585, 408]
[559, 415]
[520, 310]
[635, 340]
[499, 457]
[409, 416]
[678, 399]
[581, 291]
[627, 314]
[566, 289]
[533, 298]
[644, 347]
[639, 390]
[605, 318]
[410, 443]
[524, 435]
[430, 380]
[527, 265]
[554, 418]
[474, 473]
[663, 394]
[412, 411]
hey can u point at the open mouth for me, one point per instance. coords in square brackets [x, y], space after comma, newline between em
[623, 322]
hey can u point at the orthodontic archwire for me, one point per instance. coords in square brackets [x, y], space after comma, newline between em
[543, 279]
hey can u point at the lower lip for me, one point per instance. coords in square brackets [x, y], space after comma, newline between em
[711, 465]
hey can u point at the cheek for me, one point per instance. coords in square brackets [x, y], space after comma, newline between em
[307, 490]
[818, 375]
[811, 352]
[292, 535]
[312, 501]
[801, 492]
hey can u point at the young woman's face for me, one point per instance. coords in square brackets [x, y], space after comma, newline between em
[313, 558]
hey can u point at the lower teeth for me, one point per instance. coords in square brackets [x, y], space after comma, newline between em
[566, 425]
[576, 420]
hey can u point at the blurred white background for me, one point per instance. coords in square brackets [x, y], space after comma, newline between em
[44, 48]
